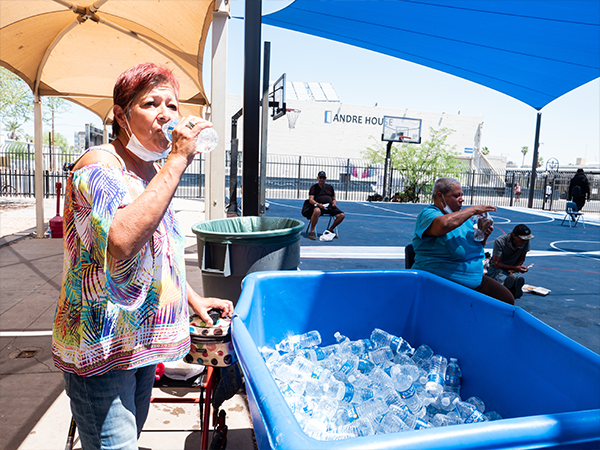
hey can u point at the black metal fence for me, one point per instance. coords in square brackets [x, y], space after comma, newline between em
[358, 180]
[291, 177]
[17, 171]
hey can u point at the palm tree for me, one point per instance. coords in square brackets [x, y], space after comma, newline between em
[524, 150]
[13, 130]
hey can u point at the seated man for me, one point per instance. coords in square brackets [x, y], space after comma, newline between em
[506, 265]
[322, 197]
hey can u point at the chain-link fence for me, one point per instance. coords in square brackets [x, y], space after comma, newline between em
[291, 177]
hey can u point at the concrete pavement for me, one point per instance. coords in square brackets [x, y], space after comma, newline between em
[35, 411]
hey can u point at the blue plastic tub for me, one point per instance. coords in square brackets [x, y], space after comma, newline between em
[546, 386]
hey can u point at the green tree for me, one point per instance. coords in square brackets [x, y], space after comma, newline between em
[524, 150]
[16, 99]
[13, 130]
[52, 107]
[419, 165]
[61, 144]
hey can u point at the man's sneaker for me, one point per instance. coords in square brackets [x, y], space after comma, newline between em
[519, 287]
[331, 231]
[312, 236]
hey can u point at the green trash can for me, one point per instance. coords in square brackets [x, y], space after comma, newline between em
[229, 249]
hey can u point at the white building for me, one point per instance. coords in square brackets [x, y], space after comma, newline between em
[327, 127]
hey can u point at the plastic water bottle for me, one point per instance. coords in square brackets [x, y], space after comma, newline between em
[316, 354]
[340, 337]
[381, 355]
[411, 421]
[206, 141]
[348, 366]
[468, 412]
[383, 339]
[298, 341]
[360, 427]
[477, 403]
[492, 415]
[346, 392]
[422, 356]
[444, 420]
[408, 393]
[437, 375]
[365, 366]
[391, 423]
[361, 346]
[453, 377]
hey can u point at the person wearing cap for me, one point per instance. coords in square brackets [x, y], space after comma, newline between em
[322, 196]
[508, 257]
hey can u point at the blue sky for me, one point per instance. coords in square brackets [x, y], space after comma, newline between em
[570, 124]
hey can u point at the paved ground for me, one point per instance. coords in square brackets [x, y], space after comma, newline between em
[35, 412]
[566, 260]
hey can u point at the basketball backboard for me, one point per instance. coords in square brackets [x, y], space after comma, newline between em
[277, 98]
[401, 129]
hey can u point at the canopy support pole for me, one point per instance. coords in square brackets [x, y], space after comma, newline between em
[39, 167]
[251, 106]
[536, 146]
[214, 194]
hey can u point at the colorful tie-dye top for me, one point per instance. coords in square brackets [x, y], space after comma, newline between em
[117, 314]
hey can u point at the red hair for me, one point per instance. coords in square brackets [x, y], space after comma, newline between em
[137, 80]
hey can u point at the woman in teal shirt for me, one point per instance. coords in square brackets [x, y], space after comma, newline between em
[444, 241]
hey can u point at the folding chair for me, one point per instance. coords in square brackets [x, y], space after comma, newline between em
[331, 219]
[573, 215]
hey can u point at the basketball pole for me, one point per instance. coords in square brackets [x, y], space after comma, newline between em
[386, 168]
[536, 146]
[265, 121]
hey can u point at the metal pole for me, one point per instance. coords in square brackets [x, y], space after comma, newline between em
[535, 159]
[299, 174]
[347, 180]
[512, 189]
[388, 152]
[214, 162]
[265, 121]
[233, 167]
[544, 192]
[472, 186]
[38, 168]
[251, 106]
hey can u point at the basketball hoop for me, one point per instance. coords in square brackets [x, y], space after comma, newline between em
[292, 115]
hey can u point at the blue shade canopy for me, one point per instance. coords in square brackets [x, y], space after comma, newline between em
[532, 50]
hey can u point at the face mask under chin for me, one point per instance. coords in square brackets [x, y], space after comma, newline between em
[446, 208]
[136, 147]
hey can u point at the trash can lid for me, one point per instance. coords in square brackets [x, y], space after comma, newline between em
[250, 230]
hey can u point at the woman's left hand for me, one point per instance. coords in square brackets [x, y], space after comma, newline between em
[201, 305]
[488, 231]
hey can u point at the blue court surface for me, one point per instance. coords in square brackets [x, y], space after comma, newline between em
[566, 260]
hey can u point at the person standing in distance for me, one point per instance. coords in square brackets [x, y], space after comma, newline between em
[579, 189]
